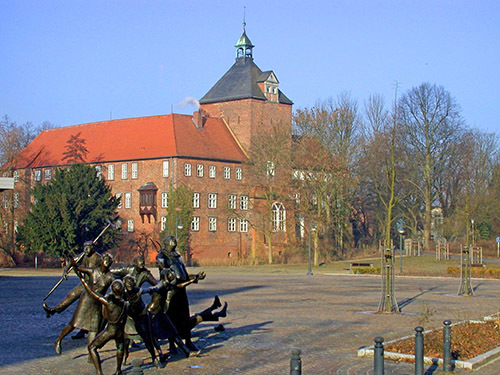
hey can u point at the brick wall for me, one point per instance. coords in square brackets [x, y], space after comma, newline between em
[248, 117]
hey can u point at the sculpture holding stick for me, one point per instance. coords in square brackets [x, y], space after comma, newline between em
[78, 259]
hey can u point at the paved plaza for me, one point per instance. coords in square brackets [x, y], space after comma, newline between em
[327, 316]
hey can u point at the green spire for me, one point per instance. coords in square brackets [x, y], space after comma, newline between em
[244, 45]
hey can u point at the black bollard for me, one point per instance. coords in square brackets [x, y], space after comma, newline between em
[136, 367]
[378, 356]
[419, 351]
[295, 363]
[447, 346]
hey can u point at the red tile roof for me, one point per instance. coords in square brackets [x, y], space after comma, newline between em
[135, 139]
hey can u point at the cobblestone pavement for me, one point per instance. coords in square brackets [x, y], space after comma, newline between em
[327, 316]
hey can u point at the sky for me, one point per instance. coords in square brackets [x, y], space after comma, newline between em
[80, 61]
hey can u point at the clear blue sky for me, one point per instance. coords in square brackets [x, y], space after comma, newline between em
[79, 61]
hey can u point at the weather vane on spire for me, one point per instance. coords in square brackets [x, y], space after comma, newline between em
[244, 12]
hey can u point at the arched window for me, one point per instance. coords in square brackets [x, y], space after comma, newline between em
[279, 217]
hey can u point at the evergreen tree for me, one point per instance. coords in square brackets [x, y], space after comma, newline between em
[72, 208]
[179, 217]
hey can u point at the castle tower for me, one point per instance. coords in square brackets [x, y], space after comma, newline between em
[248, 99]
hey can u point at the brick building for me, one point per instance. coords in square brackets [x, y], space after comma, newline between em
[142, 158]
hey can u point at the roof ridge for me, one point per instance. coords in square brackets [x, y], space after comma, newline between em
[113, 120]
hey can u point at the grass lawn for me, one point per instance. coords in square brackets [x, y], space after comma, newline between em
[412, 266]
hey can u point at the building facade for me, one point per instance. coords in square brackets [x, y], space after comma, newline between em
[143, 158]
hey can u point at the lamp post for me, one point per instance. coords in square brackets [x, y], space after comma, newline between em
[473, 237]
[178, 225]
[401, 232]
[309, 271]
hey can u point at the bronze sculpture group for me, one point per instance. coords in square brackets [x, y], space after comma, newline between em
[122, 314]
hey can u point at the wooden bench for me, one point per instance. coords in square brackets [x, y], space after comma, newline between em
[356, 264]
[478, 265]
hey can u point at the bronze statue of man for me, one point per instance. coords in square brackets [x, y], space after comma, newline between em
[88, 313]
[115, 312]
[90, 259]
[138, 270]
[177, 300]
[139, 321]
[208, 314]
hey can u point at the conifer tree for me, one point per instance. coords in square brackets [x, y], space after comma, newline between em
[179, 217]
[69, 210]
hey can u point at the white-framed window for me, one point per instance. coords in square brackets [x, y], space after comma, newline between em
[243, 225]
[16, 176]
[124, 171]
[164, 200]
[16, 200]
[296, 198]
[239, 173]
[199, 170]
[111, 172]
[195, 224]
[270, 168]
[135, 170]
[279, 217]
[231, 224]
[130, 225]
[163, 223]
[165, 168]
[227, 173]
[48, 174]
[119, 224]
[128, 200]
[299, 175]
[211, 171]
[196, 200]
[120, 200]
[212, 200]
[244, 202]
[38, 175]
[212, 223]
[231, 201]
[314, 199]
[5, 200]
[187, 169]
[98, 170]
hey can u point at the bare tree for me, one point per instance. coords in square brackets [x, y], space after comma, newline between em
[431, 121]
[269, 166]
[13, 139]
[324, 161]
[464, 186]
[379, 165]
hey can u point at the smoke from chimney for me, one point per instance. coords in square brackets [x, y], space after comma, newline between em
[189, 100]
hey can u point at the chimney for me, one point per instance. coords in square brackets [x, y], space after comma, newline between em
[199, 118]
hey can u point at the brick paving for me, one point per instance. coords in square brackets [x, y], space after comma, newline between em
[327, 316]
